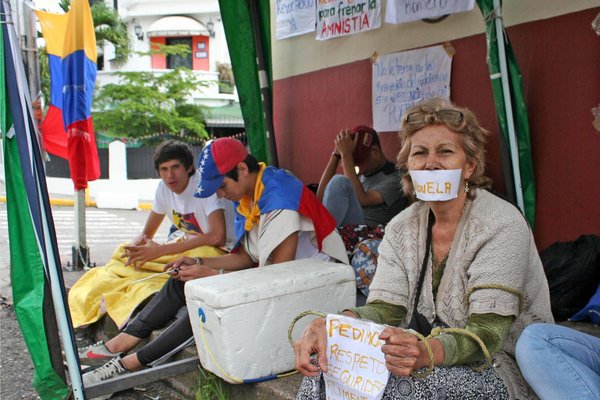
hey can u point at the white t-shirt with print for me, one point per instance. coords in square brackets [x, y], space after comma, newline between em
[189, 214]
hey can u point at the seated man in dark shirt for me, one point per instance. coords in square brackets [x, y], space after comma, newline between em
[370, 196]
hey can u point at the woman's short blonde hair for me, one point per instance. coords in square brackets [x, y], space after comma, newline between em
[473, 137]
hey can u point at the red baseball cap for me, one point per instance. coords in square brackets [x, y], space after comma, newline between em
[216, 159]
[367, 137]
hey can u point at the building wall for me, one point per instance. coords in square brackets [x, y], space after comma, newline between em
[559, 57]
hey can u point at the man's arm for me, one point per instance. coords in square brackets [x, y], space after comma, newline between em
[328, 173]
[345, 146]
[152, 224]
[189, 268]
[286, 250]
[143, 253]
[215, 237]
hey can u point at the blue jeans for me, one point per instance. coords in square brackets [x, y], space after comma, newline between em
[341, 201]
[560, 363]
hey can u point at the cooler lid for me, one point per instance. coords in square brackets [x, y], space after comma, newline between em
[251, 285]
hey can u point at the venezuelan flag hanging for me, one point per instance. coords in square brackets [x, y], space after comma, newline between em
[67, 130]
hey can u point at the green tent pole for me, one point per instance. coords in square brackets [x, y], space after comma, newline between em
[264, 82]
[512, 137]
[239, 32]
[507, 87]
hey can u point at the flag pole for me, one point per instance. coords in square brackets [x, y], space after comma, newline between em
[30, 51]
[30, 54]
[65, 329]
[512, 137]
[80, 252]
[264, 83]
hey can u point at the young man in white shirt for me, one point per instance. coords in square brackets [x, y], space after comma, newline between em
[199, 222]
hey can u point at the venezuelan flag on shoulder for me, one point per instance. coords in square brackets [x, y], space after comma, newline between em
[67, 130]
[283, 191]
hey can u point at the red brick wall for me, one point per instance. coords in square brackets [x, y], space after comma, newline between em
[560, 63]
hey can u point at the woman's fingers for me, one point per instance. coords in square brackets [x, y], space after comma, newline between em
[401, 350]
[313, 340]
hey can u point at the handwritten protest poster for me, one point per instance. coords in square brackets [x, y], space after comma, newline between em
[346, 17]
[399, 11]
[403, 79]
[294, 17]
[356, 364]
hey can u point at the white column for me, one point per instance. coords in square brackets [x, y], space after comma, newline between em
[117, 161]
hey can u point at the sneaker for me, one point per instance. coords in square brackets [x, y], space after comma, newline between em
[96, 352]
[111, 369]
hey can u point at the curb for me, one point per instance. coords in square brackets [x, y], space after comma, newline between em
[89, 203]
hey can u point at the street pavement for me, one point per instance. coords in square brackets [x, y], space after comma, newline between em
[105, 229]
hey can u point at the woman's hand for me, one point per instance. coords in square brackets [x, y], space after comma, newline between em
[402, 351]
[313, 340]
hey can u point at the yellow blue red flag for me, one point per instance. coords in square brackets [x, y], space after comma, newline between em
[67, 130]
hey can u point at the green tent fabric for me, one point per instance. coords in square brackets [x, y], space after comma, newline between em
[237, 22]
[27, 273]
[519, 110]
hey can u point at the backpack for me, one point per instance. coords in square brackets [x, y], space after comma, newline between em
[364, 263]
[573, 273]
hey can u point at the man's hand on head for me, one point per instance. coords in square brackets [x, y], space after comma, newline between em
[345, 143]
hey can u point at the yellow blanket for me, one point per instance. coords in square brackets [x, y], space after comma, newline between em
[109, 289]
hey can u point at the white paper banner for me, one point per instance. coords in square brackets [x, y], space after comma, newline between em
[294, 17]
[403, 79]
[346, 17]
[399, 11]
[356, 364]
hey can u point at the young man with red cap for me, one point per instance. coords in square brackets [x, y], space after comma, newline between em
[278, 219]
[373, 195]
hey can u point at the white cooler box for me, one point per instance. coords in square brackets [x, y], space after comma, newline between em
[247, 314]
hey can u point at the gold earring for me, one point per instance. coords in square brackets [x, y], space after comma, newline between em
[466, 186]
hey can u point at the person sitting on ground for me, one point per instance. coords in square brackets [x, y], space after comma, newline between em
[202, 227]
[460, 258]
[174, 198]
[278, 219]
[373, 195]
[363, 201]
[559, 362]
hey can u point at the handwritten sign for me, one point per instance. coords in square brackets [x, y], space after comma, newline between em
[403, 79]
[294, 17]
[356, 364]
[399, 11]
[346, 17]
